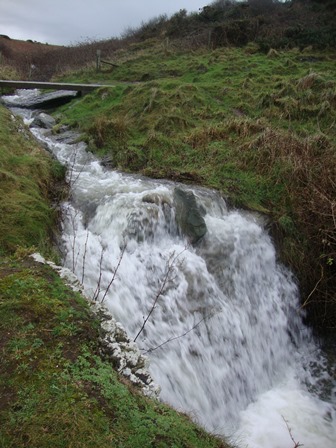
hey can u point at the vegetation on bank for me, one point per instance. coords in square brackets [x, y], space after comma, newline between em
[55, 388]
[258, 127]
[26, 176]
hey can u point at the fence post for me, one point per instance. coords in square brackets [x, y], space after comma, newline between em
[166, 46]
[210, 40]
[98, 61]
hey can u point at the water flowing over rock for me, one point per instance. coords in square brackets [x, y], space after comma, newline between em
[188, 215]
[43, 121]
[220, 320]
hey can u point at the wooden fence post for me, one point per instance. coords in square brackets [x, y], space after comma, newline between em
[210, 40]
[98, 61]
[166, 46]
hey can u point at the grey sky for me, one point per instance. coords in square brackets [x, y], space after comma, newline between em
[70, 21]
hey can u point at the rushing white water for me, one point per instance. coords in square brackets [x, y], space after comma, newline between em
[225, 338]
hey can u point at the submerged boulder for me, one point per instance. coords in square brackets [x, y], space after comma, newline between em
[189, 216]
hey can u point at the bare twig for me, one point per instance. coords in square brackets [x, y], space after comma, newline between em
[72, 165]
[71, 168]
[79, 173]
[296, 444]
[97, 291]
[180, 336]
[169, 268]
[305, 303]
[84, 256]
[115, 270]
[72, 220]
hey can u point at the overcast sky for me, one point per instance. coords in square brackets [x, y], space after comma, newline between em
[68, 22]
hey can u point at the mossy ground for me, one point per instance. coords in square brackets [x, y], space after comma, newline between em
[259, 128]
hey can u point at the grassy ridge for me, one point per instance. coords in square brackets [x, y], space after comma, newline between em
[221, 23]
[259, 128]
[55, 389]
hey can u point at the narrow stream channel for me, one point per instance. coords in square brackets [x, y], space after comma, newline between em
[225, 338]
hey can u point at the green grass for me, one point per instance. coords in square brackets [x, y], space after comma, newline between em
[259, 128]
[55, 389]
[201, 111]
[26, 176]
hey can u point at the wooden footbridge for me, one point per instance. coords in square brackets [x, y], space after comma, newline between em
[83, 88]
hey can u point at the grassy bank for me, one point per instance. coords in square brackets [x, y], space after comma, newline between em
[55, 389]
[259, 128]
[26, 176]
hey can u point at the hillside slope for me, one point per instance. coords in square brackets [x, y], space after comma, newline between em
[258, 127]
[24, 57]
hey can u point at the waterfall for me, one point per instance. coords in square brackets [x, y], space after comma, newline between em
[220, 319]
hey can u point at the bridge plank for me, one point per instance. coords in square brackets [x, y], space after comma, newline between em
[51, 85]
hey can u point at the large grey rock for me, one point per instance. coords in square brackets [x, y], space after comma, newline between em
[37, 100]
[188, 215]
[44, 121]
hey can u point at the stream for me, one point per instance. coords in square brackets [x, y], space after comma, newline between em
[220, 319]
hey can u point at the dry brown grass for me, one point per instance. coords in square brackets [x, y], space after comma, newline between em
[24, 57]
[48, 60]
[111, 131]
[307, 167]
[308, 81]
[8, 72]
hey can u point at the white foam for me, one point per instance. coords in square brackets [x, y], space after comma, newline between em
[286, 411]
